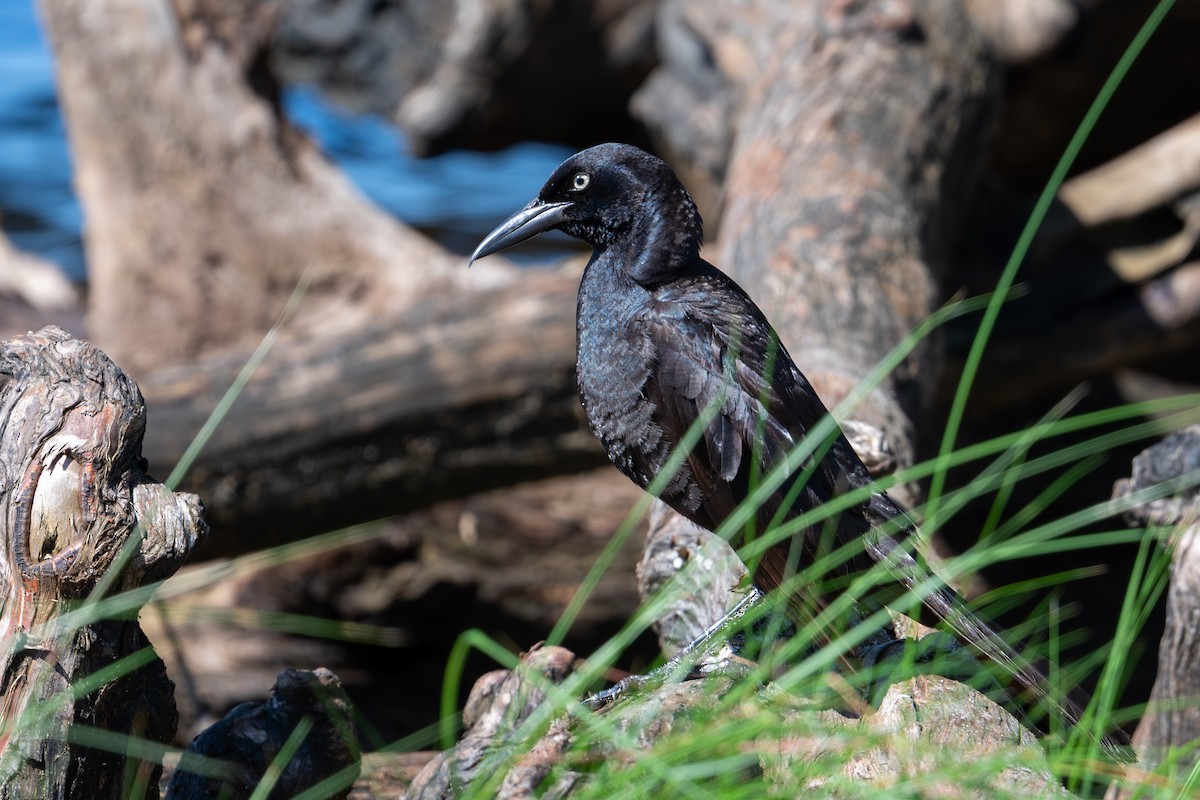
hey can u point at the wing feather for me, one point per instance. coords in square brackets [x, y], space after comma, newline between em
[700, 357]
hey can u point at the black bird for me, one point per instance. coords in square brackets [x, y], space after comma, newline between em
[663, 335]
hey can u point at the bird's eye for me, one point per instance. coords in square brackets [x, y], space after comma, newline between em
[580, 181]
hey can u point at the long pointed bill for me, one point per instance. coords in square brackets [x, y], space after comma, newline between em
[535, 218]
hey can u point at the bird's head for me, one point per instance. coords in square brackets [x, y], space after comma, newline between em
[606, 194]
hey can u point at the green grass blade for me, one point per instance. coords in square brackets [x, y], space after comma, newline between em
[1008, 276]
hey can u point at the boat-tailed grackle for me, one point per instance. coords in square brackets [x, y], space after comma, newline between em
[663, 335]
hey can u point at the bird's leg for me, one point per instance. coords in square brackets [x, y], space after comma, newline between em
[690, 655]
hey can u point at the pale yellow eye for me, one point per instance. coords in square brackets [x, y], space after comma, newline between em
[580, 181]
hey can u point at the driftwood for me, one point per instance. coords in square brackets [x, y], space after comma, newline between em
[1172, 718]
[1154, 174]
[458, 395]
[427, 379]
[79, 517]
[924, 728]
[82, 521]
[206, 208]
[497, 706]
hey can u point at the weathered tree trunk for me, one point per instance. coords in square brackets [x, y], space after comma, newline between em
[404, 376]
[81, 520]
[205, 227]
[1172, 718]
[858, 140]
[204, 207]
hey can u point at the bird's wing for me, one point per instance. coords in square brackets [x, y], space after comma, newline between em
[711, 350]
[710, 347]
[693, 371]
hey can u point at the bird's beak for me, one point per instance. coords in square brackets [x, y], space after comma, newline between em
[537, 217]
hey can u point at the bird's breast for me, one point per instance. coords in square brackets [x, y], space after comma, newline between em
[613, 364]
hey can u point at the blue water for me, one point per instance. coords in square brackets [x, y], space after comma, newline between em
[38, 210]
[456, 197]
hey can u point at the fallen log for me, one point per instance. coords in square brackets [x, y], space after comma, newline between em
[463, 393]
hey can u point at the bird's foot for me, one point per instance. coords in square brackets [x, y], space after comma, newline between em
[716, 651]
[725, 661]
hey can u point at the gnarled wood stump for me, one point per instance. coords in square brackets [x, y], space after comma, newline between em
[81, 522]
[1171, 724]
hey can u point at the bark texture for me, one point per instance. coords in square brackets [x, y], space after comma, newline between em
[498, 705]
[924, 730]
[1172, 719]
[460, 393]
[858, 136]
[80, 519]
[205, 205]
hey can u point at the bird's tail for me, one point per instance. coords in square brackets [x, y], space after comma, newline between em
[952, 610]
[984, 637]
